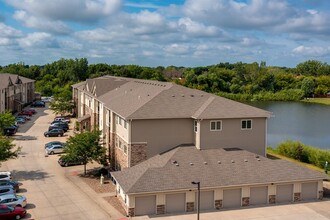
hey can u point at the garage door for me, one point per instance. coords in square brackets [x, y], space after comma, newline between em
[206, 201]
[175, 202]
[258, 195]
[145, 205]
[231, 198]
[309, 191]
[284, 193]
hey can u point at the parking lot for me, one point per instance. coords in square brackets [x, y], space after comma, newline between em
[52, 192]
[55, 192]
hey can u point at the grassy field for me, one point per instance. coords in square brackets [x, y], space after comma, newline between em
[271, 154]
[325, 101]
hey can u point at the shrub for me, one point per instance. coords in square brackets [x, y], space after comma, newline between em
[304, 153]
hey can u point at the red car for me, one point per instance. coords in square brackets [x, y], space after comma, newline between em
[28, 113]
[8, 212]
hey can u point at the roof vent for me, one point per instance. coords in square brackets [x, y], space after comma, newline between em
[258, 159]
[177, 164]
[139, 97]
[219, 162]
[148, 95]
[202, 95]
[232, 161]
[245, 160]
[173, 95]
[125, 91]
[182, 95]
[257, 156]
[205, 163]
[191, 95]
[191, 164]
[174, 162]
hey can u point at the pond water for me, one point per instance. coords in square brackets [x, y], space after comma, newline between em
[306, 122]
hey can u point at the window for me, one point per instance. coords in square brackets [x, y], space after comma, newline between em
[195, 126]
[215, 125]
[246, 124]
[125, 124]
[117, 119]
[125, 149]
[120, 121]
[116, 142]
[120, 147]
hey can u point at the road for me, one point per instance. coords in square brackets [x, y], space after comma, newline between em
[50, 193]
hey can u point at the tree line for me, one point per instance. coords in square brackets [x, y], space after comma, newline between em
[238, 81]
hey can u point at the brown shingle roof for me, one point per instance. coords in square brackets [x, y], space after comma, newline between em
[176, 169]
[147, 99]
[6, 77]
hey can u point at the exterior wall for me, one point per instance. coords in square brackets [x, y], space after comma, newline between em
[231, 135]
[191, 198]
[120, 129]
[162, 135]
[121, 157]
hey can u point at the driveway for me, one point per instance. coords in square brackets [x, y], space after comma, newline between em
[52, 192]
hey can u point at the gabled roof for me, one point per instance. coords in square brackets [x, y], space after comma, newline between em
[176, 169]
[7, 79]
[147, 99]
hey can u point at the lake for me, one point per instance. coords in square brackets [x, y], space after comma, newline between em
[308, 123]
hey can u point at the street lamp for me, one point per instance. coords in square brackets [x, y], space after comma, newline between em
[198, 196]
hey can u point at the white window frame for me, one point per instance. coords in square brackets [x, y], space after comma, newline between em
[195, 126]
[125, 124]
[246, 123]
[215, 125]
[120, 145]
[125, 149]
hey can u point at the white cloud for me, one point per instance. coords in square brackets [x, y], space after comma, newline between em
[176, 49]
[72, 10]
[196, 29]
[38, 39]
[7, 31]
[43, 25]
[313, 51]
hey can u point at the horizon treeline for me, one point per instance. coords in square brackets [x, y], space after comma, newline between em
[238, 81]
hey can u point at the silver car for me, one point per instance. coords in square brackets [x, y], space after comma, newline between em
[7, 190]
[54, 149]
[13, 200]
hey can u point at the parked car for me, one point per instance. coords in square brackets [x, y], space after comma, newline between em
[59, 124]
[54, 143]
[32, 110]
[38, 104]
[65, 161]
[57, 149]
[61, 118]
[24, 117]
[10, 182]
[56, 132]
[7, 190]
[8, 212]
[20, 120]
[5, 175]
[13, 200]
[28, 113]
[9, 131]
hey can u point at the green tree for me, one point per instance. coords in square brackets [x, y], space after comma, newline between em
[86, 147]
[308, 85]
[6, 119]
[6, 149]
[61, 105]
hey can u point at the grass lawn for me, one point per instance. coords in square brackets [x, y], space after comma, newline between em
[325, 101]
[271, 153]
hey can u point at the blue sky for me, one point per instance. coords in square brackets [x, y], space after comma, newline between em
[165, 32]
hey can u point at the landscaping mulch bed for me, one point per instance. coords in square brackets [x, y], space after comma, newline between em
[114, 201]
[94, 183]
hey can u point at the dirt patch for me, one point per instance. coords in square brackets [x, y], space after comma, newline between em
[95, 184]
[114, 201]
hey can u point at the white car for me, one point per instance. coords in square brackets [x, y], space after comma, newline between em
[7, 190]
[5, 175]
[13, 200]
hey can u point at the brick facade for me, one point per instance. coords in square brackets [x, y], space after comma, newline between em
[320, 195]
[218, 204]
[245, 201]
[160, 209]
[297, 197]
[190, 206]
[121, 157]
[138, 153]
[131, 212]
[272, 199]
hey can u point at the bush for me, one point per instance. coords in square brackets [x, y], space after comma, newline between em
[304, 153]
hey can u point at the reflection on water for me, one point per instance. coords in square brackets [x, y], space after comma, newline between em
[306, 122]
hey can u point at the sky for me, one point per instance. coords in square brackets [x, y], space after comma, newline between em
[153, 33]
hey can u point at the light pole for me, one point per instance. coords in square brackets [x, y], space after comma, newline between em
[198, 196]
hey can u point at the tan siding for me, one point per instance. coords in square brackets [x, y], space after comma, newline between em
[232, 135]
[162, 135]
